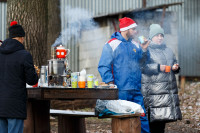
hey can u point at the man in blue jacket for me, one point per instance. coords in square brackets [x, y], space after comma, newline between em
[16, 70]
[120, 64]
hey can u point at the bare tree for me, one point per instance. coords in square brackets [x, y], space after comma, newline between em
[54, 23]
[34, 17]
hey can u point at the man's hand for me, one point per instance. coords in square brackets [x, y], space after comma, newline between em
[110, 82]
[145, 44]
[37, 70]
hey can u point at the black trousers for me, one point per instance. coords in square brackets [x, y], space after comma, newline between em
[157, 127]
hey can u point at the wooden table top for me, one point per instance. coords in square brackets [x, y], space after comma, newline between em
[50, 93]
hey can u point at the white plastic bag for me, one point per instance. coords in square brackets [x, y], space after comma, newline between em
[123, 106]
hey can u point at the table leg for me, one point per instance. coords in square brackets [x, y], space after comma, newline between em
[70, 124]
[38, 120]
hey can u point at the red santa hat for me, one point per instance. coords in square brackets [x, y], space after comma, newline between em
[126, 23]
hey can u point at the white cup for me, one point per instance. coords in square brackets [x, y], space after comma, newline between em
[81, 78]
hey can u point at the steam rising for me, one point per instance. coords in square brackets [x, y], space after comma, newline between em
[76, 19]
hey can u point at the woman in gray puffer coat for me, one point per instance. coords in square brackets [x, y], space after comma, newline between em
[159, 86]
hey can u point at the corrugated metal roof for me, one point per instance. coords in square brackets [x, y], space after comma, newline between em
[3, 9]
[102, 7]
[141, 9]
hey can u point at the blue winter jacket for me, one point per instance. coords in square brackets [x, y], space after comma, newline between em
[119, 62]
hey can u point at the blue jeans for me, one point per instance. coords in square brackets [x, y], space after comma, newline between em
[11, 125]
[136, 96]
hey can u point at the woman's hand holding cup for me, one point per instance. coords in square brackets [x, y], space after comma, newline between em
[162, 68]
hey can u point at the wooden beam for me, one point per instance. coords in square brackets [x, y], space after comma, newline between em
[114, 25]
[120, 15]
[79, 93]
[73, 104]
[72, 93]
[163, 16]
[144, 3]
[182, 84]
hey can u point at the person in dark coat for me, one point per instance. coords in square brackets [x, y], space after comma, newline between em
[16, 70]
[159, 87]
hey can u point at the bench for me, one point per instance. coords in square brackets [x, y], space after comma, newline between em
[71, 121]
[129, 123]
[74, 121]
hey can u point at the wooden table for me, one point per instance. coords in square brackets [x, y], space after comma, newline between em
[39, 103]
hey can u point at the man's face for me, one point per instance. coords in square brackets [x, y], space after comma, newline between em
[132, 33]
[22, 40]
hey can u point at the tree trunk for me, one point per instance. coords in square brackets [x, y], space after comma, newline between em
[54, 24]
[33, 16]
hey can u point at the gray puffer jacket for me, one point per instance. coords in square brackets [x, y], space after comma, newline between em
[159, 88]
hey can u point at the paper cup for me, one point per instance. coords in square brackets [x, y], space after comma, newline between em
[96, 82]
[167, 69]
[81, 84]
[81, 78]
[81, 81]
[90, 82]
[141, 39]
[74, 79]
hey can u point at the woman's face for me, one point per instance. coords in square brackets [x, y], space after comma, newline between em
[158, 39]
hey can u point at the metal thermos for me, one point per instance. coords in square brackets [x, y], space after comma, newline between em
[56, 72]
[43, 75]
[56, 67]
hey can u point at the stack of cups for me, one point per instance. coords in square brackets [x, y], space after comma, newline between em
[90, 82]
[81, 81]
[74, 79]
[96, 82]
[167, 69]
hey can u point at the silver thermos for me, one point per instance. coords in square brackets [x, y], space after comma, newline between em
[43, 76]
